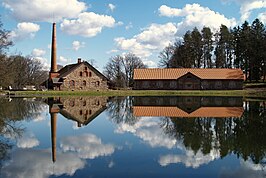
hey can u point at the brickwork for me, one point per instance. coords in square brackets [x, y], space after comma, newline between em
[83, 78]
[82, 109]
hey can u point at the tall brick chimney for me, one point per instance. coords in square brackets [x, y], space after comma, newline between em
[53, 52]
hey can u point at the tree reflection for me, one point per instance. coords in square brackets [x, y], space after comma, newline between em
[240, 134]
[243, 136]
[13, 110]
[120, 110]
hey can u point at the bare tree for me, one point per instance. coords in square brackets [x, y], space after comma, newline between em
[166, 55]
[120, 69]
[130, 62]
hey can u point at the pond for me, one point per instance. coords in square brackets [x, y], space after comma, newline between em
[132, 137]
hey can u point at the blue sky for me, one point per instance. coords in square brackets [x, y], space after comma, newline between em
[101, 29]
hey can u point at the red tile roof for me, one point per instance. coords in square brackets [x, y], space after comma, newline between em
[175, 73]
[157, 111]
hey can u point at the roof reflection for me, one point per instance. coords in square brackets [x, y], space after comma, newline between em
[188, 107]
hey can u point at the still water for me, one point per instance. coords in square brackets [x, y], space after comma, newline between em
[132, 137]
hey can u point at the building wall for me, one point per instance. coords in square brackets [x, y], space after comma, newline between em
[83, 107]
[192, 83]
[82, 78]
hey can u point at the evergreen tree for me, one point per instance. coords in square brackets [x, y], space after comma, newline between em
[207, 47]
[258, 49]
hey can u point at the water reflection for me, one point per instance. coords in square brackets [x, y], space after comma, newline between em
[79, 109]
[180, 133]
[188, 106]
[194, 124]
[13, 110]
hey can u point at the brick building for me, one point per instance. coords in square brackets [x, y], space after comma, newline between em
[188, 79]
[78, 76]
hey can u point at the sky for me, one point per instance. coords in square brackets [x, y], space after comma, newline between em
[98, 30]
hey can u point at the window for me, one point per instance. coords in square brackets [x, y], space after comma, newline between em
[84, 104]
[72, 83]
[84, 83]
[97, 83]
[86, 73]
[80, 74]
[86, 68]
[80, 112]
[90, 74]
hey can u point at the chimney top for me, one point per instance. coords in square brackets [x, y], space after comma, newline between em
[79, 60]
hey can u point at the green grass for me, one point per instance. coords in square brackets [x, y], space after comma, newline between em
[253, 93]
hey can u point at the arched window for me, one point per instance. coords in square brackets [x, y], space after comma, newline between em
[86, 73]
[86, 68]
[80, 74]
[84, 83]
[84, 104]
[72, 83]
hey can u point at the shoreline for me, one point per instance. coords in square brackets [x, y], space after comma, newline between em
[248, 93]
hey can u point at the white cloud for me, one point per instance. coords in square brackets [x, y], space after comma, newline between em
[86, 146]
[88, 24]
[63, 60]
[44, 10]
[149, 130]
[189, 159]
[248, 6]
[149, 63]
[28, 141]
[38, 52]
[196, 16]
[38, 164]
[247, 169]
[262, 17]
[111, 7]
[76, 45]
[24, 30]
[151, 39]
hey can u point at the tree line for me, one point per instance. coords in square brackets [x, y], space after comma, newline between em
[241, 47]
[120, 70]
[18, 71]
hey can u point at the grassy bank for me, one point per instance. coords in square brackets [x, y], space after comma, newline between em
[258, 93]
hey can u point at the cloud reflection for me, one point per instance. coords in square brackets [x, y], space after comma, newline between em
[189, 159]
[86, 146]
[28, 141]
[247, 170]
[149, 130]
[37, 164]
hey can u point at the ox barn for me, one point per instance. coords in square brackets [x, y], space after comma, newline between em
[188, 79]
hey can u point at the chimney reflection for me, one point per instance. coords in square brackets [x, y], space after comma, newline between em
[81, 110]
[188, 107]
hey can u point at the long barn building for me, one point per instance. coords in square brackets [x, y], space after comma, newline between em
[188, 79]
